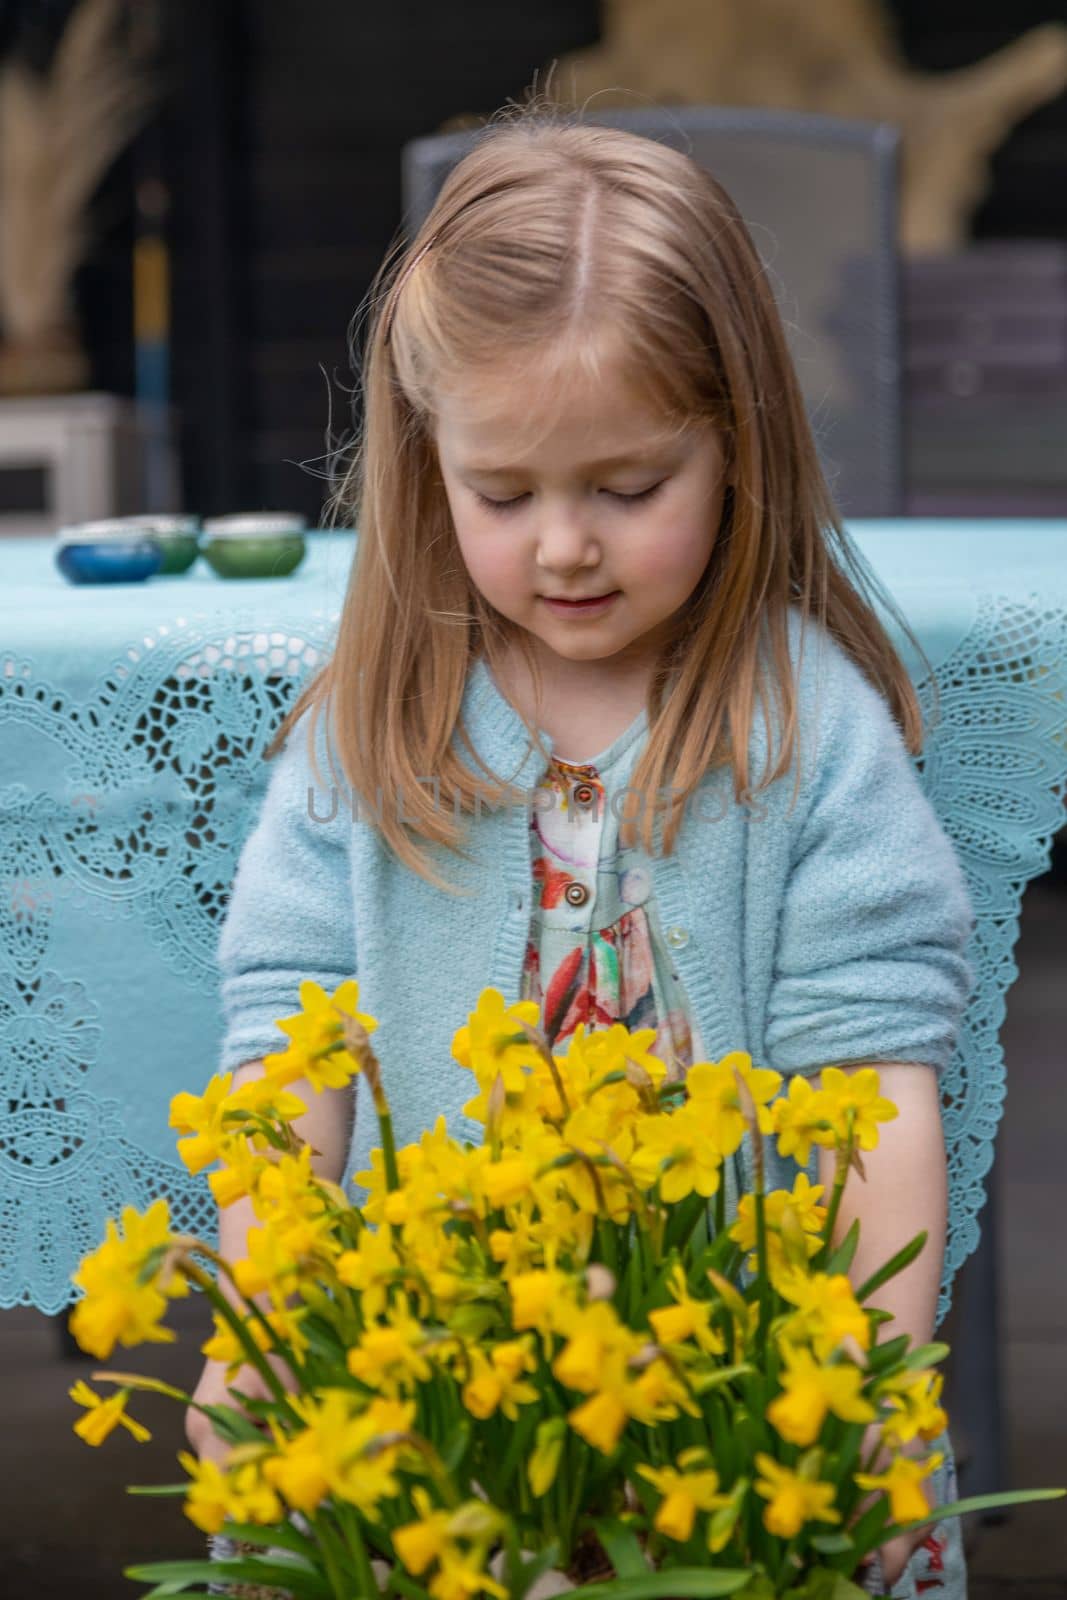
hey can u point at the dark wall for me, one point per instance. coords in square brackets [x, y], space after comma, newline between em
[283, 141]
[287, 158]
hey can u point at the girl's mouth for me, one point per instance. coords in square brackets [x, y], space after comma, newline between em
[582, 608]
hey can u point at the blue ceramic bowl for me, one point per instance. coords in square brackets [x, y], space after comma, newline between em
[109, 561]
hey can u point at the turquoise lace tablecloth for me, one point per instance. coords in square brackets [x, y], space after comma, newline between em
[132, 724]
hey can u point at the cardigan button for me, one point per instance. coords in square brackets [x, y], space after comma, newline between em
[677, 937]
[576, 894]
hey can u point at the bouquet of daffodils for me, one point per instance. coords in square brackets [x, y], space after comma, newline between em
[545, 1363]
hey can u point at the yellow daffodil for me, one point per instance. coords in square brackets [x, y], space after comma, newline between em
[593, 1333]
[104, 1416]
[390, 1356]
[684, 1493]
[236, 1179]
[508, 1180]
[601, 1419]
[239, 1492]
[269, 1266]
[371, 1270]
[810, 1390]
[658, 1394]
[676, 1148]
[543, 1465]
[828, 1311]
[458, 1541]
[496, 1382]
[494, 1043]
[794, 1498]
[337, 1452]
[855, 1093]
[208, 1496]
[902, 1482]
[117, 1307]
[420, 1543]
[712, 1090]
[687, 1319]
[201, 1117]
[914, 1397]
[265, 1097]
[800, 1118]
[798, 1206]
[538, 1297]
[285, 1190]
[224, 1345]
[316, 1033]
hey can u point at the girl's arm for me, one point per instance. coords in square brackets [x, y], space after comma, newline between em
[327, 1128]
[905, 1193]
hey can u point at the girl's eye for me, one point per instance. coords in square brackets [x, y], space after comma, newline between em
[510, 505]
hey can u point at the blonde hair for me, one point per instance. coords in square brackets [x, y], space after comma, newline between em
[551, 242]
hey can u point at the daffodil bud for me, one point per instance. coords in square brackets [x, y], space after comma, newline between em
[599, 1282]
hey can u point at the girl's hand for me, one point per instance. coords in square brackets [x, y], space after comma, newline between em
[895, 1553]
[213, 1390]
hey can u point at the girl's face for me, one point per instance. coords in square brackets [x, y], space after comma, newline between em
[608, 501]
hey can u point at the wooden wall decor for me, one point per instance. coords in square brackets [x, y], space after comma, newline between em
[837, 57]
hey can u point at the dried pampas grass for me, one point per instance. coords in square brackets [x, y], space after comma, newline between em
[58, 136]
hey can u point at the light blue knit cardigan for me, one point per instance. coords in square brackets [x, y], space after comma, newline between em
[829, 931]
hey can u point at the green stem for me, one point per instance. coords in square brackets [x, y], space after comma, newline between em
[844, 1156]
[334, 1574]
[762, 1263]
[385, 1124]
[574, 1507]
[349, 1523]
[255, 1355]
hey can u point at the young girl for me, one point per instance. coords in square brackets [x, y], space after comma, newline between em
[610, 722]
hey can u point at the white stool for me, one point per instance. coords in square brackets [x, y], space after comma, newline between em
[71, 458]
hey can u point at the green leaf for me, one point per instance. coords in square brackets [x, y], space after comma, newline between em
[158, 1488]
[866, 1531]
[684, 1583]
[897, 1263]
[176, 1576]
[683, 1220]
[842, 1257]
[887, 1355]
[831, 1544]
[285, 1537]
[976, 1502]
[622, 1546]
[232, 1426]
[826, 1584]
[926, 1355]
[716, 1379]
[529, 1571]
[171, 1588]
[518, 1443]
[829, 1586]
[453, 1451]
[400, 1582]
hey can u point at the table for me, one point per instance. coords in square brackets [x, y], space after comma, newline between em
[132, 724]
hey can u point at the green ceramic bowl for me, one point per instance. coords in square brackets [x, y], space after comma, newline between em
[254, 546]
[176, 535]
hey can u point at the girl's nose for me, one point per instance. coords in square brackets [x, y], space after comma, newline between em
[566, 542]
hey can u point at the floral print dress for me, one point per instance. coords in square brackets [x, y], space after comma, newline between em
[596, 953]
